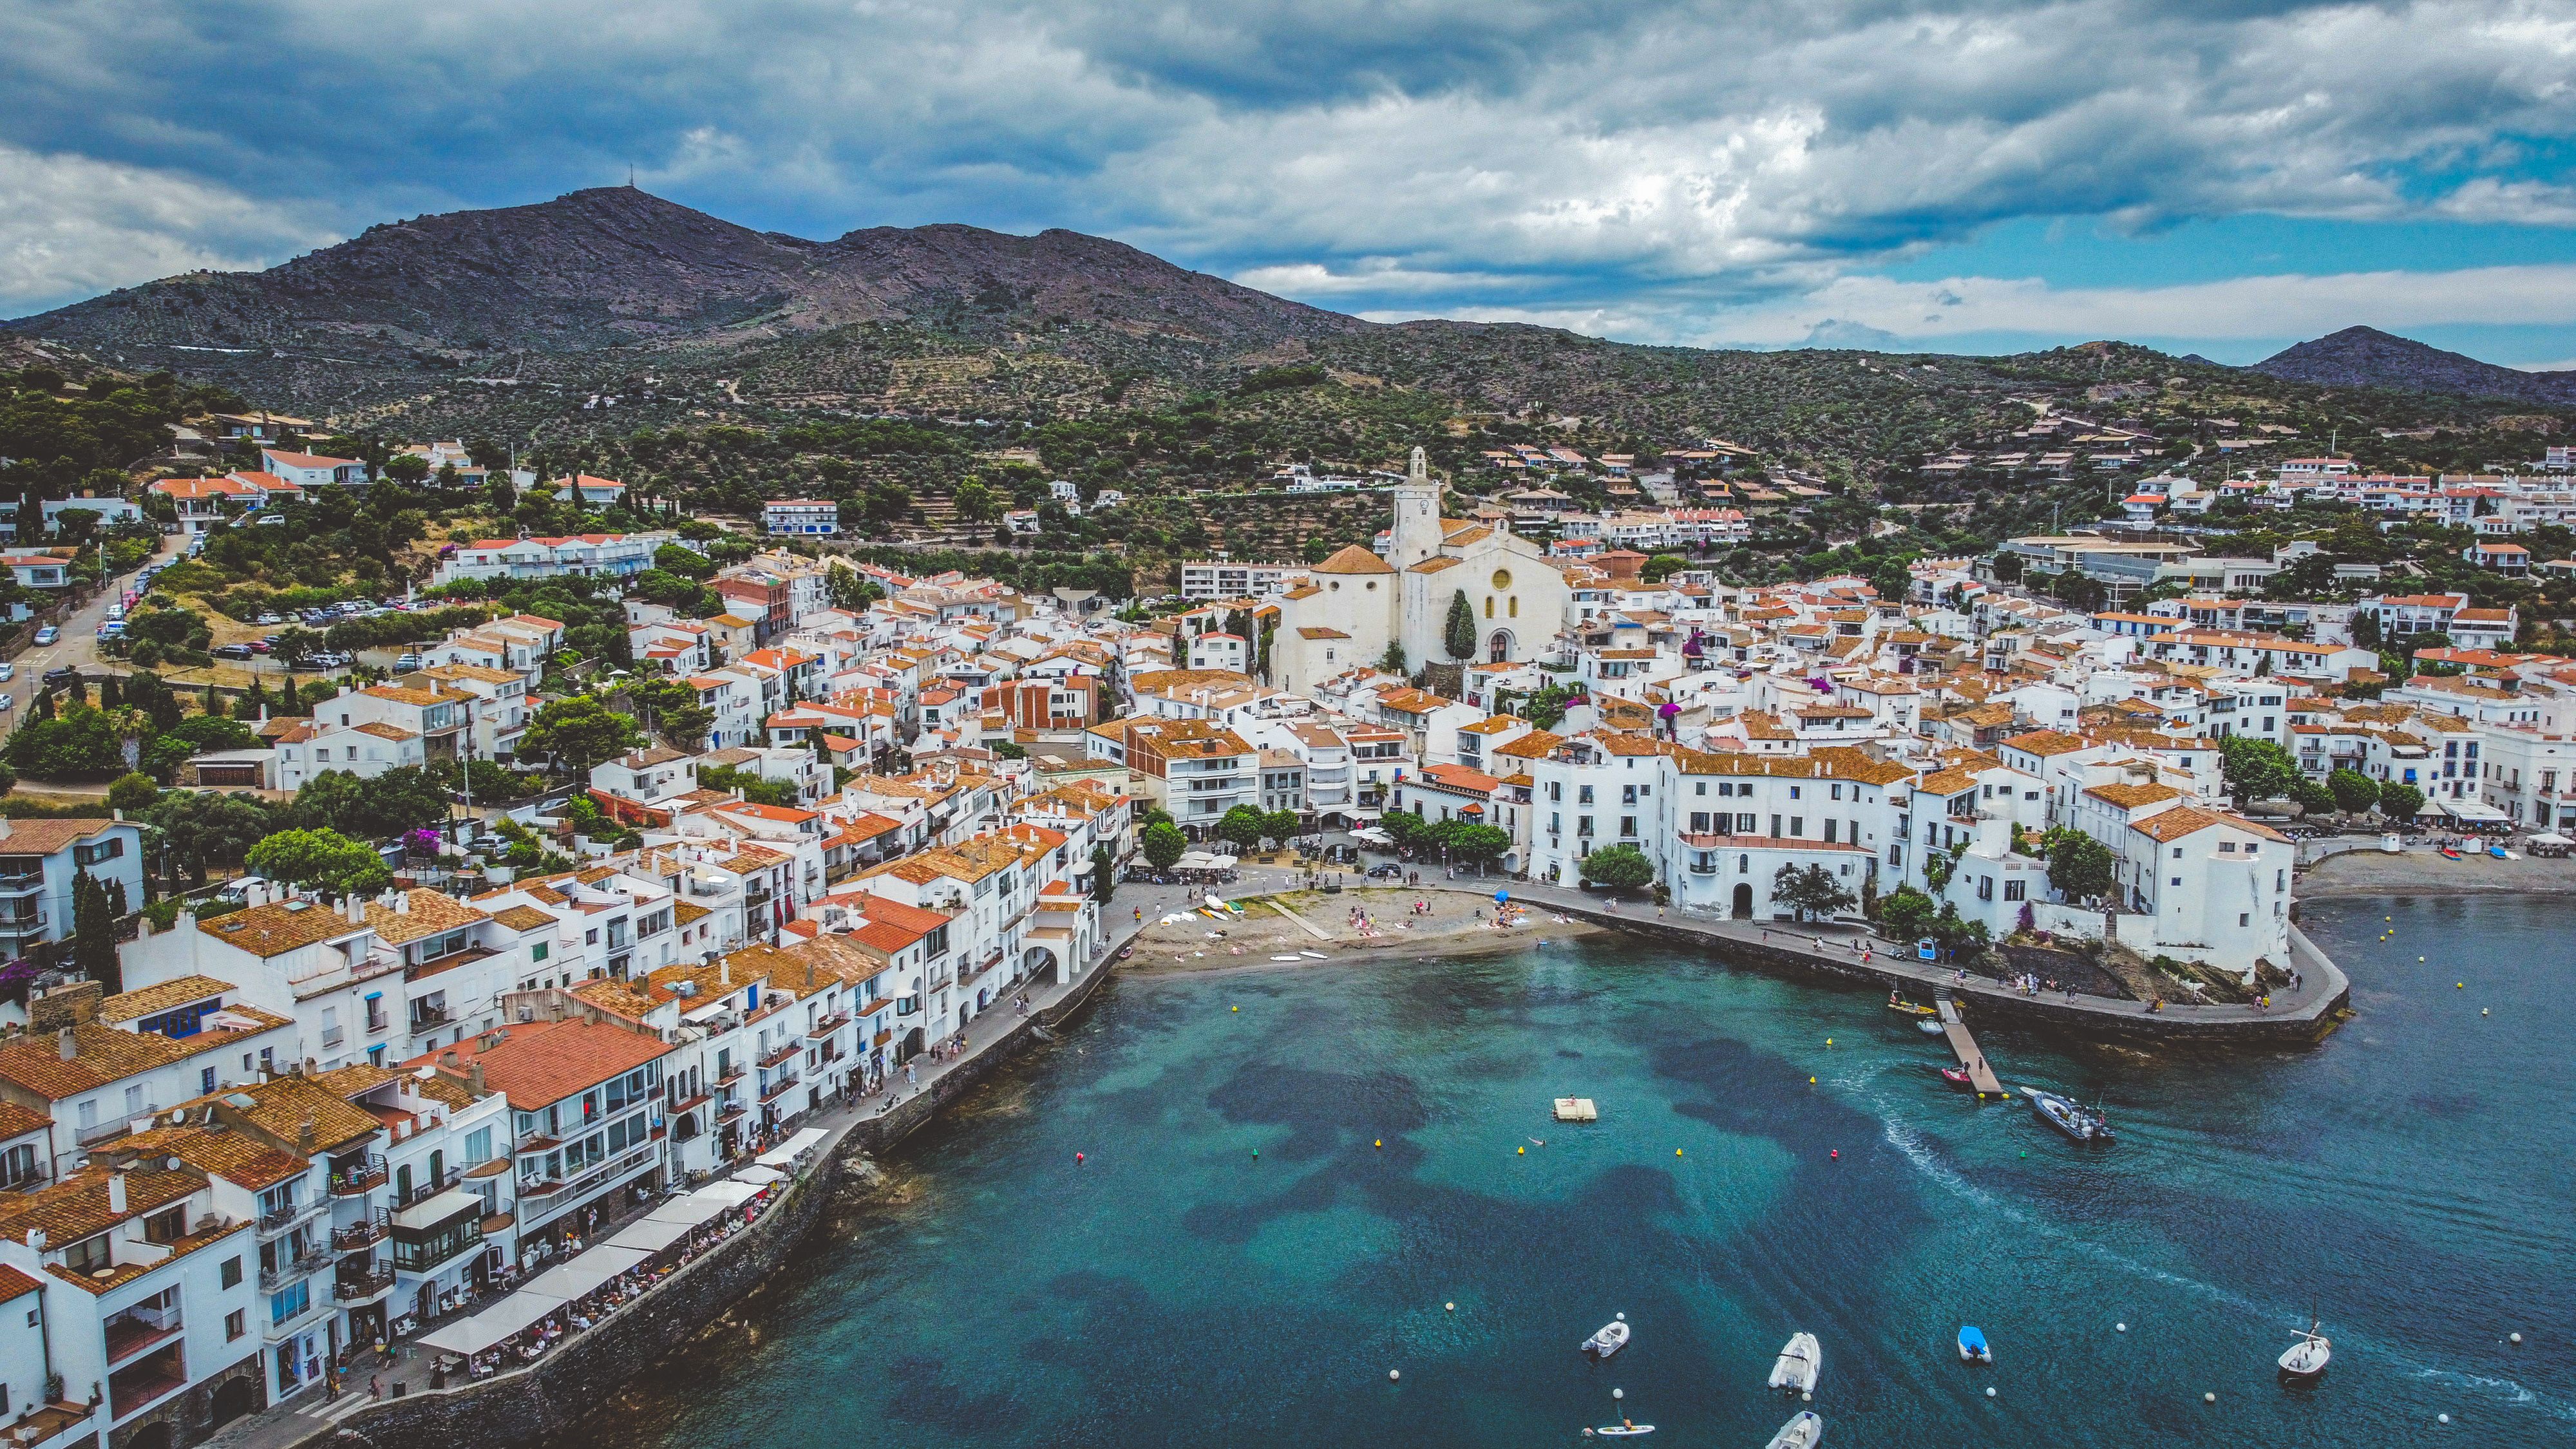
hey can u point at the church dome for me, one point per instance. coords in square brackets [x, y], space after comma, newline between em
[1354, 559]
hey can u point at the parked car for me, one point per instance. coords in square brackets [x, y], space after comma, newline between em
[1386, 872]
[408, 661]
[265, 619]
[58, 677]
[6, 702]
[48, 634]
[230, 651]
[8, 670]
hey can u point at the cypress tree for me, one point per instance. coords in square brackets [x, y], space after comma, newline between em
[1459, 635]
[94, 933]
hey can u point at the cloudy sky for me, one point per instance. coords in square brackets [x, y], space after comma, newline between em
[2223, 176]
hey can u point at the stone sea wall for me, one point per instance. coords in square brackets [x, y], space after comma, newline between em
[527, 1406]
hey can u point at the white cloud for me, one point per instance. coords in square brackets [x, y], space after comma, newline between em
[71, 226]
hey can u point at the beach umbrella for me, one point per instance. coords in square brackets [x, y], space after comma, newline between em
[1501, 897]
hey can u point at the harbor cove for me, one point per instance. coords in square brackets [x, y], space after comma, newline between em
[1229, 1205]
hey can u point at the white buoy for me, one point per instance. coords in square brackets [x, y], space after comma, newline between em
[1620, 1316]
[1806, 1398]
[2441, 1418]
[2513, 1338]
[2209, 1398]
[2119, 1328]
[1451, 1307]
[1394, 1374]
[1990, 1391]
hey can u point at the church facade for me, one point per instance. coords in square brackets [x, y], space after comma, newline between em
[1356, 603]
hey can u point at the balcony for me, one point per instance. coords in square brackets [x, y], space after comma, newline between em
[824, 1029]
[429, 1018]
[304, 1264]
[423, 1191]
[540, 1201]
[277, 1221]
[138, 1329]
[362, 1234]
[362, 1287]
[147, 1381]
[356, 1176]
[780, 1088]
[18, 885]
[780, 1057]
[278, 1330]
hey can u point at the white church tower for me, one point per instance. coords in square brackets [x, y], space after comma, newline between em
[1415, 534]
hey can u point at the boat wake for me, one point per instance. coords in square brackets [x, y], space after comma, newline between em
[1918, 1151]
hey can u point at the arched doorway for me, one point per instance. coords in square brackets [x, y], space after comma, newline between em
[154, 1435]
[913, 1042]
[233, 1398]
[1038, 964]
[1498, 649]
[1743, 903]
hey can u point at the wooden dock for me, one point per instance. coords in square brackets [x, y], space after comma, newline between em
[1973, 1058]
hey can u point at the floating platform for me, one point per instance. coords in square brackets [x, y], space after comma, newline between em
[1576, 1109]
[1980, 1076]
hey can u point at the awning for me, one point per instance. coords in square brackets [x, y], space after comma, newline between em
[688, 1211]
[586, 1271]
[2551, 837]
[726, 1194]
[649, 1236]
[436, 1210]
[484, 1329]
[800, 1141]
[759, 1176]
[2471, 810]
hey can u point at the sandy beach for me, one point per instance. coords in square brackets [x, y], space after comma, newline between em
[2426, 873]
[1261, 933]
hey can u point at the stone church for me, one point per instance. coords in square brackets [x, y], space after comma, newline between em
[1356, 603]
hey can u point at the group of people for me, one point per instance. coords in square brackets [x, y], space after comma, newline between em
[584, 1312]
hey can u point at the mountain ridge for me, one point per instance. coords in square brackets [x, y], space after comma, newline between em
[2368, 357]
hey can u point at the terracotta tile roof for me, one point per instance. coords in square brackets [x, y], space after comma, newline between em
[523, 918]
[236, 1157]
[279, 927]
[2047, 742]
[431, 913]
[1353, 559]
[142, 1002]
[281, 1106]
[103, 1054]
[15, 1285]
[545, 1062]
[2130, 797]
[44, 837]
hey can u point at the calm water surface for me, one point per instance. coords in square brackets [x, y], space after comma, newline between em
[2411, 1179]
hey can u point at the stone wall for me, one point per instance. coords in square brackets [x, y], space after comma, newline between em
[587, 1369]
[2298, 1028]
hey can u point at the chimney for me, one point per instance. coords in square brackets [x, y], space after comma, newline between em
[402, 903]
[116, 1191]
[474, 1079]
[304, 1137]
[66, 1044]
[724, 975]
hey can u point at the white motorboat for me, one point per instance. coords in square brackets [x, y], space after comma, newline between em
[2070, 1117]
[1609, 1338]
[1800, 1362]
[2308, 1357]
[1621, 1431]
[1806, 1431]
[1928, 1026]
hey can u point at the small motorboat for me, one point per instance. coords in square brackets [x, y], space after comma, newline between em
[1929, 1027]
[1806, 1431]
[1958, 1077]
[1126, 952]
[1800, 1362]
[2308, 1357]
[1972, 1346]
[2072, 1118]
[2499, 852]
[1898, 1003]
[1621, 1431]
[1609, 1338]
[2448, 853]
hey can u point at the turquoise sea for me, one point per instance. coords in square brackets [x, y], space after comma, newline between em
[2410, 1179]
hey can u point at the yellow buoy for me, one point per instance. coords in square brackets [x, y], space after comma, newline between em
[1522, 1151]
[1677, 1152]
[1811, 1081]
[1829, 1041]
[1234, 1008]
[1381, 1142]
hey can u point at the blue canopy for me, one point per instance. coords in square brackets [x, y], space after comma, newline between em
[1502, 896]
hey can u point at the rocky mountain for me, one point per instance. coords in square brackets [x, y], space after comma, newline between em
[2368, 357]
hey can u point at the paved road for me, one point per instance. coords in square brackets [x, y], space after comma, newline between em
[77, 649]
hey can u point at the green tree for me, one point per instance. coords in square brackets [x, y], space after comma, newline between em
[1164, 844]
[94, 933]
[1458, 634]
[675, 711]
[1243, 826]
[133, 793]
[205, 830]
[1908, 914]
[2399, 802]
[2365, 629]
[2079, 866]
[1470, 843]
[1811, 891]
[1281, 825]
[975, 502]
[2353, 791]
[409, 797]
[80, 744]
[2311, 797]
[579, 732]
[1392, 661]
[1104, 875]
[1619, 867]
[323, 859]
[1662, 566]
[2257, 769]
[688, 563]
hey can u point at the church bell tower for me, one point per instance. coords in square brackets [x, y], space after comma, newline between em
[1415, 534]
